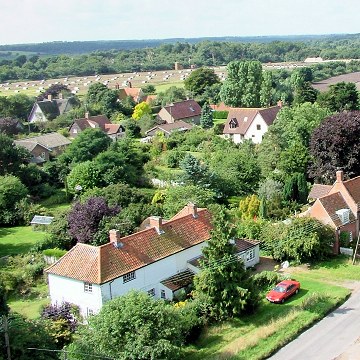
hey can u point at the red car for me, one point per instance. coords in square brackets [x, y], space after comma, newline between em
[283, 290]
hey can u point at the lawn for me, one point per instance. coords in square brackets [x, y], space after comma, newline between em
[18, 239]
[258, 336]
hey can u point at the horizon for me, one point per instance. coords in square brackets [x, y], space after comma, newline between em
[185, 38]
[29, 22]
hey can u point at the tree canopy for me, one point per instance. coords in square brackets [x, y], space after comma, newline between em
[200, 79]
[334, 144]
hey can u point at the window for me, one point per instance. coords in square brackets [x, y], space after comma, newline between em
[258, 127]
[151, 292]
[250, 255]
[163, 296]
[43, 155]
[88, 287]
[89, 312]
[128, 277]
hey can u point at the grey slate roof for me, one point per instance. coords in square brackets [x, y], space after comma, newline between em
[49, 141]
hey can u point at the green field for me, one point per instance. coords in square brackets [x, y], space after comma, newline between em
[258, 336]
[18, 239]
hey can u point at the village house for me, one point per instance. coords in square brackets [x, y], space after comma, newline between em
[49, 109]
[43, 146]
[136, 93]
[187, 110]
[160, 260]
[114, 131]
[167, 129]
[249, 123]
[337, 205]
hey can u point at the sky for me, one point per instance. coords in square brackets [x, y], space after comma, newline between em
[35, 21]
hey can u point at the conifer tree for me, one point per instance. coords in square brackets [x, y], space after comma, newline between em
[223, 283]
[206, 119]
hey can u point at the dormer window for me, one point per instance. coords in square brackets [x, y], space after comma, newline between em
[344, 215]
[233, 123]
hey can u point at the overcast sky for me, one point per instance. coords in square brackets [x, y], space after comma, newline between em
[32, 21]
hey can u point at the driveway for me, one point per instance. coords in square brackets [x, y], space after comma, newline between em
[336, 337]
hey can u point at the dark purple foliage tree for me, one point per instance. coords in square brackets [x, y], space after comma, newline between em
[54, 91]
[84, 218]
[10, 126]
[335, 144]
[65, 311]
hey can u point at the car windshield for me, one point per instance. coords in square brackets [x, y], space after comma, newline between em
[280, 288]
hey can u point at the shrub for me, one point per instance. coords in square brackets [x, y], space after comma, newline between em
[220, 114]
[55, 252]
[267, 279]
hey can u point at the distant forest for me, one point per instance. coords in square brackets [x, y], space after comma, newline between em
[57, 59]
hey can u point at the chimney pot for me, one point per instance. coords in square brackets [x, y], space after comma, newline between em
[86, 115]
[115, 237]
[60, 96]
[193, 210]
[339, 176]
[156, 222]
[49, 97]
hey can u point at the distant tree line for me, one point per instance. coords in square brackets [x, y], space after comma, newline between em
[147, 56]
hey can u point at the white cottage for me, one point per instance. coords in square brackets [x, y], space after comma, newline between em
[249, 123]
[159, 260]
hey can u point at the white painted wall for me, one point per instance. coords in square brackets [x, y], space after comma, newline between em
[252, 132]
[150, 276]
[37, 115]
[71, 290]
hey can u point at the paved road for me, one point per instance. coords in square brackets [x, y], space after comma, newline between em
[337, 336]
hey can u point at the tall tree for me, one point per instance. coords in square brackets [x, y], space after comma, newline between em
[242, 86]
[335, 144]
[223, 282]
[199, 80]
[140, 110]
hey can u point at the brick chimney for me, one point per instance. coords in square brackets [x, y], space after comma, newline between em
[280, 104]
[339, 176]
[129, 84]
[60, 96]
[50, 97]
[156, 222]
[115, 237]
[192, 209]
[87, 115]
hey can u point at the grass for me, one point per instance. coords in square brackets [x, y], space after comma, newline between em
[18, 239]
[163, 86]
[31, 306]
[272, 326]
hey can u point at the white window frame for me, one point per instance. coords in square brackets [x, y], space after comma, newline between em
[163, 294]
[250, 254]
[90, 312]
[129, 277]
[88, 287]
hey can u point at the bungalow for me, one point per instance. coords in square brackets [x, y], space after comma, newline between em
[249, 123]
[337, 206]
[114, 131]
[42, 146]
[161, 260]
[49, 109]
[187, 110]
[136, 93]
[167, 129]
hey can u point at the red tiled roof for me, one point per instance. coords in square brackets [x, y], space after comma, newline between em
[220, 107]
[93, 121]
[245, 116]
[184, 109]
[104, 263]
[333, 203]
[112, 128]
[353, 187]
[319, 190]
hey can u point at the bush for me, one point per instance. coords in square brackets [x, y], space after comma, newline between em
[55, 252]
[267, 279]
